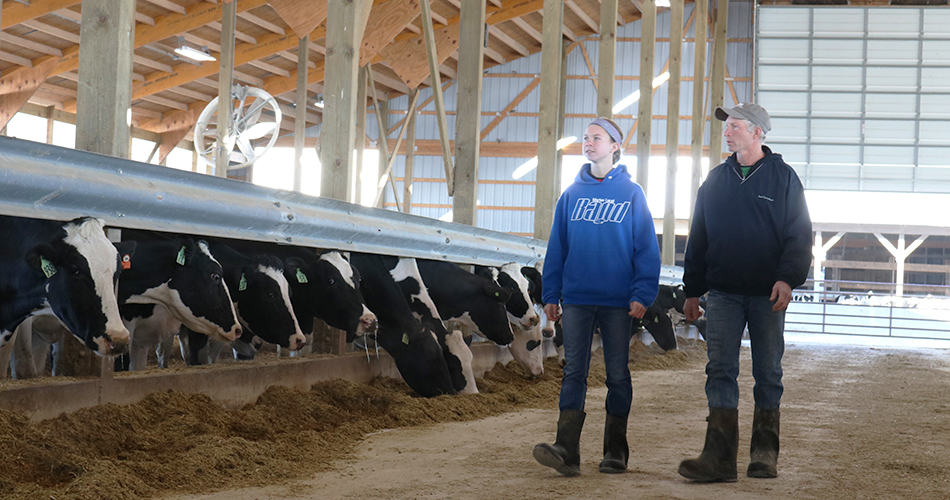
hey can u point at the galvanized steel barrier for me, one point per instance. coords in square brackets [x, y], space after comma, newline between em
[50, 182]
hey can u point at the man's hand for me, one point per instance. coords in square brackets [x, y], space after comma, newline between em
[781, 295]
[637, 310]
[552, 311]
[691, 309]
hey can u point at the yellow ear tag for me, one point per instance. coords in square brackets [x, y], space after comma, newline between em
[48, 268]
[181, 257]
[242, 285]
[405, 338]
[301, 277]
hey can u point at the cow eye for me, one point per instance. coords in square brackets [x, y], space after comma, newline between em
[215, 277]
[76, 272]
[271, 295]
[331, 281]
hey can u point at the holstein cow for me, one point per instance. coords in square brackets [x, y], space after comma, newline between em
[526, 347]
[466, 302]
[323, 285]
[261, 296]
[170, 283]
[166, 284]
[69, 269]
[458, 356]
[657, 320]
[415, 349]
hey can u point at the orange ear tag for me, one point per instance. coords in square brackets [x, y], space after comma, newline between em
[126, 262]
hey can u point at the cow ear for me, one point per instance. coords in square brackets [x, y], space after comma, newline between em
[483, 271]
[43, 259]
[496, 292]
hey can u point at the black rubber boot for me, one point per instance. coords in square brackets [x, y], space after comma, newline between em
[763, 455]
[615, 445]
[564, 455]
[717, 462]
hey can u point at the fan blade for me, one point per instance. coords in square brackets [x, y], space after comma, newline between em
[246, 148]
[259, 130]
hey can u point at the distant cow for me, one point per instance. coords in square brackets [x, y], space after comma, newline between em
[69, 269]
[261, 296]
[170, 283]
[466, 302]
[415, 349]
[458, 356]
[525, 322]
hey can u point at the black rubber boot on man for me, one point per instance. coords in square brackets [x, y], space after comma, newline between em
[717, 462]
[763, 454]
[615, 445]
[564, 455]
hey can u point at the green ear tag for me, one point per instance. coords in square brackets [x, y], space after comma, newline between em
[181, 256]
[48, 268]
[497, 294]
[242, 285]
[301, 277]
[405, 338]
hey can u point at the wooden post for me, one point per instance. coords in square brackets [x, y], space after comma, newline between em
[300, 112]
[672, 131]
[546, 185]
[645, 105]
[410, 155]
[468, 124]
[344, 33]
[436, 84]
[699, 93]
[717, 82]
[360, 149]
[607, 58]
[225, 82]
[104, 93]
[50, 123]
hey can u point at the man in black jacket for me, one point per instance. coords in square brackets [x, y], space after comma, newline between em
[749, 246]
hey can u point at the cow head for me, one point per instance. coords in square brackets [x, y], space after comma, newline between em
[534, 283]
[526, 348]
[329, 288]
[519, 306]
[202, 301]
[262, 295]
[419, 359]
[81, 269]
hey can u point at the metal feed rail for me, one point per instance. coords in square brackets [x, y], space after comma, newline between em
[50, 182]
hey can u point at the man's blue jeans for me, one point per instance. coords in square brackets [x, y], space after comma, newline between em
[726, 317]
[578, 324]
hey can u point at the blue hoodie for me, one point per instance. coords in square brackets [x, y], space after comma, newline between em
[602, 250]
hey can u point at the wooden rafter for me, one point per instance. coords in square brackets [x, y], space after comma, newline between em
[15, 13]
[583, 16]
[408, 58]
[385, 22]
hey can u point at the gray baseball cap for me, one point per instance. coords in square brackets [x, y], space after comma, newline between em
[747, 111]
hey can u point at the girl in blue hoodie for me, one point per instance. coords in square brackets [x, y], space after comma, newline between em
[601, 270]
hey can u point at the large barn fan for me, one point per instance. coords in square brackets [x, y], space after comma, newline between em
[255, 116]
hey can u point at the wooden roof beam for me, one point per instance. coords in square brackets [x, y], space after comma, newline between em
[53, 31]
[583, 16]
[168, 5]
[528, 29]
[238, 35]
[506, 39]
[30, 44]
[263, 23]
[15, 13]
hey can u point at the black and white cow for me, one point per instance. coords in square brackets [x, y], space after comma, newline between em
[325, 286]
[415, 349]
[656, 319]
[170, 283]
[526, 347]
[69, 269]
[458, 356]
[466, 302]
[261, 296]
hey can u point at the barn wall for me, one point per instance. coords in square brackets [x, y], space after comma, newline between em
[507, 204]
